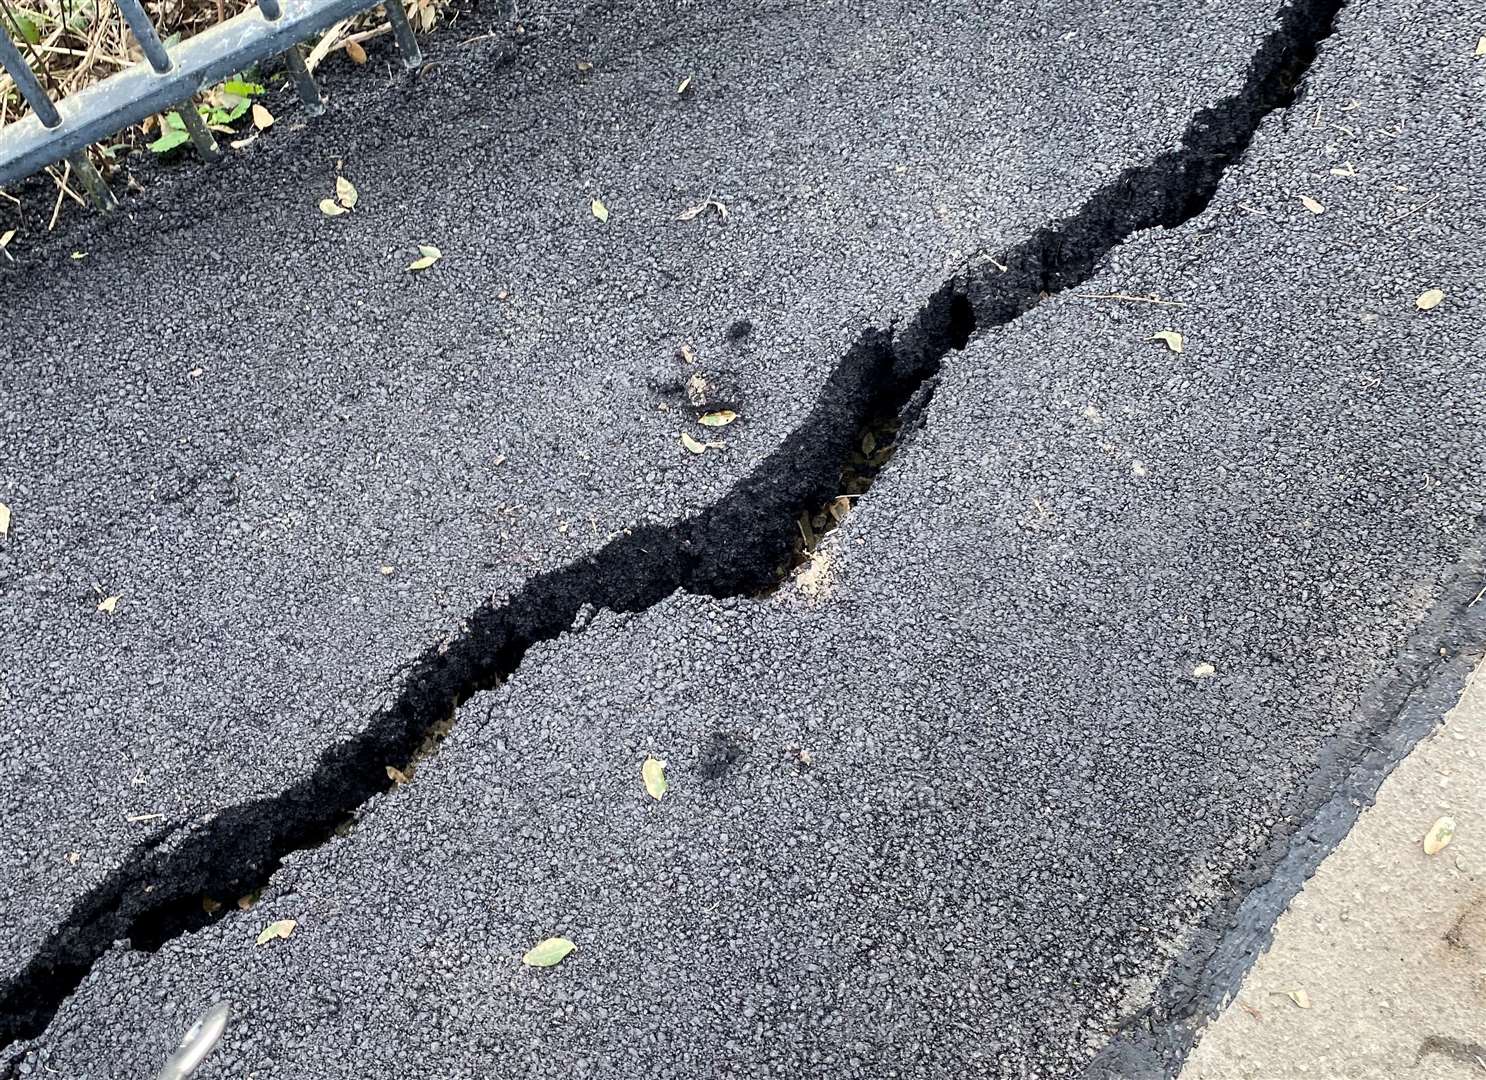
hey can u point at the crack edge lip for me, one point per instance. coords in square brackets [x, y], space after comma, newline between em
[729, 548]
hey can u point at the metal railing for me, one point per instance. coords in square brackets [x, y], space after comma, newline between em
[169, 78]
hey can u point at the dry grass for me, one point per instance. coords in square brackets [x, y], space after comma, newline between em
[71, 44]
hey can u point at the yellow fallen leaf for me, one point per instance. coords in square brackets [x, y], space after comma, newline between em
[1173, 340]
[79, 256]
[1481, 47]
[1439, 834]
[396, 775]
[549, 952]
[280, 929]
[331, 208]
[584, 66]
[345, 191]
[109, 604]
[600, 211]
[654, 774]
[1300, 997]
[4, 520]
[685, 84]
[721, 418]
[1312, 205]
[355, 52]
[262, 118]
[428, 255]
[1204, 670]
[692, 444]
[1430, 299]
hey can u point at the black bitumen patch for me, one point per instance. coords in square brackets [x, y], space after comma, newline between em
[738, 546]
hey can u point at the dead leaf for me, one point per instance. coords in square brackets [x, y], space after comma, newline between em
[109, 604]
[600, 211]
[654, 774]
[1300, 997]
[721, 418]
[5, 238]
[4, 520]
[685, 84]
[1439, 834]
[331, 208]
[547, 953]
[692, 212]
[687, 354]
[1481, 47]
[345, 191]
[584, 67]
[840, 507]
[428, 255]
[210, 906]
[1344, 169]
[1204, 670]
[280, 929]
[692, 445]
[262, 118]
[1173, 340]
[1430, 299]
[1312, 205]
[238, 144]
[396, 775]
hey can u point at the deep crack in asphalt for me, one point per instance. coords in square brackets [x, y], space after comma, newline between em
[739, 546]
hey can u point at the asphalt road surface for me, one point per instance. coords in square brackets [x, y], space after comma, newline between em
[983, 786]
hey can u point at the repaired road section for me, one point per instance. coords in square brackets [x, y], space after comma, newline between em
[300, 469]
[985, 786]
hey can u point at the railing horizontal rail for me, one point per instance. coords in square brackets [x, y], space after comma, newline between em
[98, 111]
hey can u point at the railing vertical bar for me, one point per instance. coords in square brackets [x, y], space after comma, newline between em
[201, 136]
[304, 82]
[93, 183]
[46, 111]
[402, 31]
[144, 33]
[25, 79]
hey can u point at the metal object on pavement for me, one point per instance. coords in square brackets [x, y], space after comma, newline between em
[168, 78]
[196, 1043]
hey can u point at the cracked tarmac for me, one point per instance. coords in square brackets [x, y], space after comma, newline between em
[1025, 821]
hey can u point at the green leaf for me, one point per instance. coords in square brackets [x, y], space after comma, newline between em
[27, 27]
[231, 109]
[547, 953]
[173, 122]
[169, 141]
[243, 88]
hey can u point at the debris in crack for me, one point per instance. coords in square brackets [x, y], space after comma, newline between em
[741, 545]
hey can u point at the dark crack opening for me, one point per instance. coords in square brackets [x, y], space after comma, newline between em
[742, 545]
